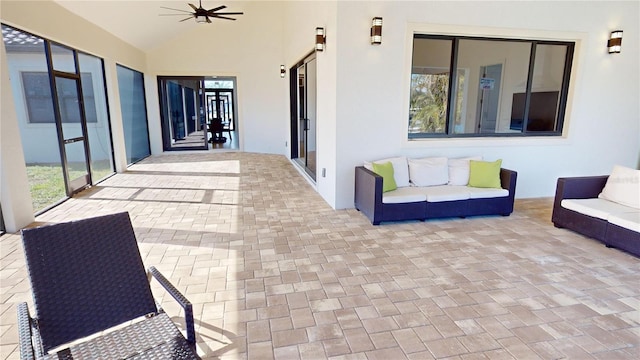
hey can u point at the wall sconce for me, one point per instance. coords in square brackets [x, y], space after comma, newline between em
[615, 41]
[282, 71]
[320, 39]
[376, 31]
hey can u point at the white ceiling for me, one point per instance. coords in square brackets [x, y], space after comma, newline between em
[139, 23]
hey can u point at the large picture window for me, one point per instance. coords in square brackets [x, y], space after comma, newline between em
[469, 87]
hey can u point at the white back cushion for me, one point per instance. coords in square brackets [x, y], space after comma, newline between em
[400, 169]
[623, 187]
[429, 171]
[459, 170]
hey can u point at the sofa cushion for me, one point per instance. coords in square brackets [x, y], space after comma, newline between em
[445, 193]
[429, 171]
[485, 174]
[400, 169]
[595, 207]
[406, 194]
[630, 220]
[623, 187]
[486, 193]
[459, 170]
[386, 171]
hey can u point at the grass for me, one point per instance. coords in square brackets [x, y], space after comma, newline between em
[47, 182]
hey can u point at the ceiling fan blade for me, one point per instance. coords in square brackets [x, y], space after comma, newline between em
[168, 8]
[171, 14]
[224, 17]
[193, 7]
[228, 13]
[216, 9]
[208, 20]
[189, 18]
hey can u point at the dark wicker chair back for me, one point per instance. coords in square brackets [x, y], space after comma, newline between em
[86, 276]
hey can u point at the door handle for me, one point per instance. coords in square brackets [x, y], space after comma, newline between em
[76, 139]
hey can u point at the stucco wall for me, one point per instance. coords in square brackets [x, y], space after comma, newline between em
[602, 124]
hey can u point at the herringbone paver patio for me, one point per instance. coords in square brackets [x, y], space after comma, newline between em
[275, 273]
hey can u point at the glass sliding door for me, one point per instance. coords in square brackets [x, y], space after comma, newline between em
[134, 114]
[72, 123]
[97, 115]
[303, 111]
[73, 133]
[2, 227]
[182, 113]
[176, 111]
[221, 112]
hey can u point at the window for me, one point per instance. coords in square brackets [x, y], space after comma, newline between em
[500, 87]
[52, 173]
[134, 114]
[38, 98]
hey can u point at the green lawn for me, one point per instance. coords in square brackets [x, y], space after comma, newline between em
[47, 183]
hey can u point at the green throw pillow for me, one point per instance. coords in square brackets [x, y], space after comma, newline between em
[386, 171]
[485, 174]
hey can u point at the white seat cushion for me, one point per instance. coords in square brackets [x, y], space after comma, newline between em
[445, 193]
[596, 207]
[404, 195]
[485, 193]
[630, 220]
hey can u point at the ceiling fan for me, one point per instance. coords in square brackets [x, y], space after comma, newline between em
[203, 15]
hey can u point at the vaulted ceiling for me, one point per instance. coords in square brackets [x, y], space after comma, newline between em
[141, 23]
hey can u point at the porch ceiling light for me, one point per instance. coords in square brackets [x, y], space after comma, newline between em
[201, 19]
[320, 39]
[615, 42]
[376, 31]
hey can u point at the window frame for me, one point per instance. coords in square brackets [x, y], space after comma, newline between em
[571, 46]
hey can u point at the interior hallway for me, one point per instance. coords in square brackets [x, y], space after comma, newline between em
[274, 272]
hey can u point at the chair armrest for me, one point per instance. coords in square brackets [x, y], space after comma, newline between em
[368, 194]
[579, 187]
[508, 180]
[181, 299]
[582, 187]
[24, 332]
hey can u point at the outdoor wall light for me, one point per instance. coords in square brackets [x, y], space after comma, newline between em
[320, 39]
[615, 42]
[282, 71]
[376, 31]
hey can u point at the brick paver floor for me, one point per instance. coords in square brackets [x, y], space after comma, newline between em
[275, 273]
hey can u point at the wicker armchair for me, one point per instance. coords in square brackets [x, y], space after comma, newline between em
[87, 277]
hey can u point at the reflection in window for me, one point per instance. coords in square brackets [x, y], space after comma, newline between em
[134, 114]
[494, 93]
[429, 95]
[26, 56]
[38, 97]
[28, 70]
[97, 114]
